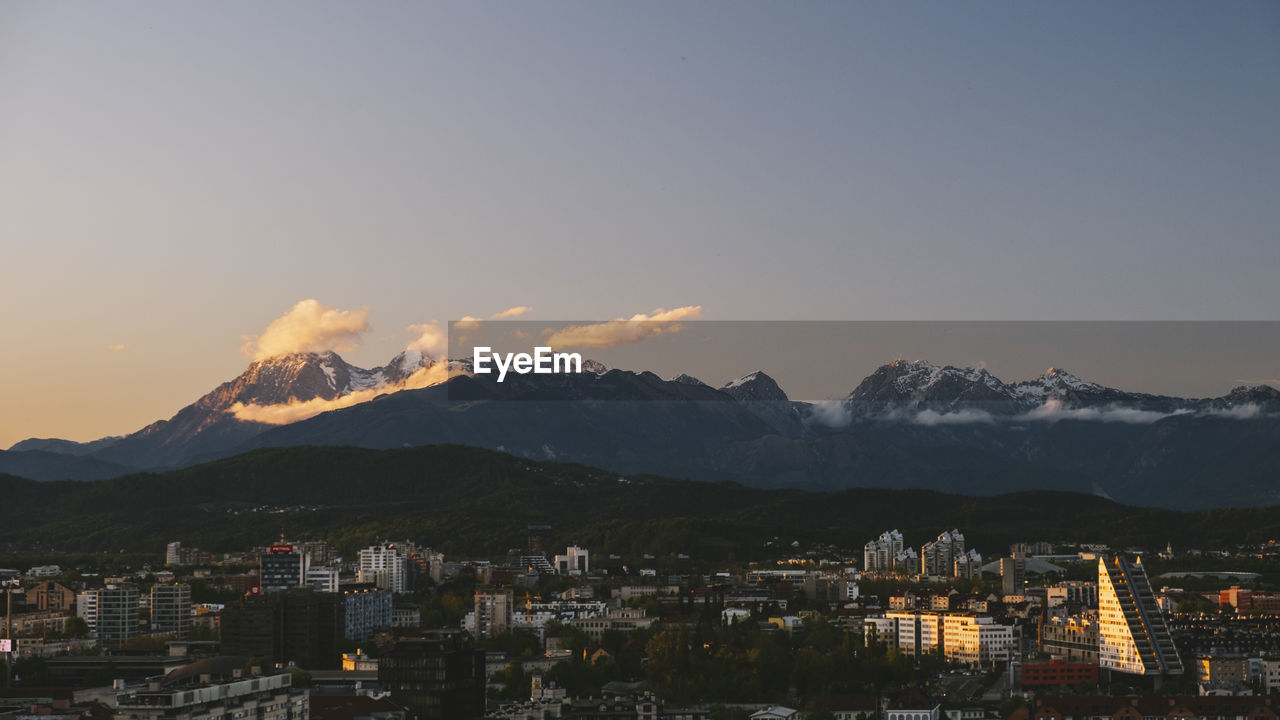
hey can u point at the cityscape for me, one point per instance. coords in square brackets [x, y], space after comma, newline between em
[661, 360]
[398, 629]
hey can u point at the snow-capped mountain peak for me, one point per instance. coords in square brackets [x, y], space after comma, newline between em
[756, 386]
[921, 376]
[686, 379]
[396, 371]
[742, 380]
[296, 376]
[1059, 384]
[1061, 378]
[217, 417]
[917, 386]
[920, 384]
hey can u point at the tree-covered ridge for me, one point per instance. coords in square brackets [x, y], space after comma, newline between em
[478, 502]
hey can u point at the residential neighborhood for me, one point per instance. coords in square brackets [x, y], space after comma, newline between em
[551, 630]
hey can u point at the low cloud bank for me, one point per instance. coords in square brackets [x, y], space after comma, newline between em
[295, 410]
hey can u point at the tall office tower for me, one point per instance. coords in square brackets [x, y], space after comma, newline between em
[282, 567]
[367, 610]
[1133, 636]
[173, 553]
[171, 609]
[117, 615]
[300, 626]
[435, 676]
[493, 612]
[1013, 573]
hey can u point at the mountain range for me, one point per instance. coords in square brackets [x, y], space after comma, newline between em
[210, 426]
[907, 425]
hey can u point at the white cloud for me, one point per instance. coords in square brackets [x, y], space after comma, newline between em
[1053, 410]
[516, 311]
[830, 413]
[624, 331]
[431, 340]
[467, 322]
[308, 327]
[1248, 411]
[959, 417]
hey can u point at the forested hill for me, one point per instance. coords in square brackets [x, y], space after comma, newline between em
[475, 502]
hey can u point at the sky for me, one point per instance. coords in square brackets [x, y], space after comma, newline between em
[176, 177]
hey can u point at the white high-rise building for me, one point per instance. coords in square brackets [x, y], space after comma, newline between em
[968, 565]
[173, 553]
[87, 608]
[323, 579]
[384, 565]
[1133, 636]
[960, 637]
[918, 632]
[574, 561]
[888, 554]
[938, 557]
[881, 554]
[977, 640]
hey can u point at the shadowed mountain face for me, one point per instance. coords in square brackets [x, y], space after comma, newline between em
[45, 465]
[64, 447]
[913, 424]
[630, 422]
[928, 427]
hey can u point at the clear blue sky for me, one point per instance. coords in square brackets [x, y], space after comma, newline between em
[175, 176]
